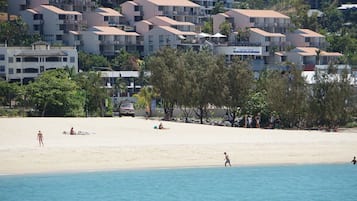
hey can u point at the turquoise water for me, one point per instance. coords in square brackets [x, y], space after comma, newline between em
[283, 183]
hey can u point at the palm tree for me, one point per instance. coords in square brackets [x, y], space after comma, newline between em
[145, 96]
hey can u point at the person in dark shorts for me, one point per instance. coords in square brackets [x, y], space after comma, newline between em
[226, 157]
[354, 161]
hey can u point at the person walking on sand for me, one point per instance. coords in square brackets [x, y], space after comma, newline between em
[226, 157]
[354, 161]
[40, 138]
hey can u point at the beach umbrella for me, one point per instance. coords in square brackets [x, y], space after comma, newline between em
[203, 35]
[218, 35]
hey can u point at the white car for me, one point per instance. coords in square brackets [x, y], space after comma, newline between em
[126, 109]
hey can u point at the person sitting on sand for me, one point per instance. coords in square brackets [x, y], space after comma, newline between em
[161, 126]
[354, 161]
[72, 131]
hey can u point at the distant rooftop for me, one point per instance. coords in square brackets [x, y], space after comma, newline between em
[312, 51]
[265, 33]
[185, 3]
[308, 33]
[168, 21]
[60, 11]
[260, 13]
[108, 12]
[104, 30]
[175, 31]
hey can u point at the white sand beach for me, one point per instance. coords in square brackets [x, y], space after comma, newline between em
[132, 143]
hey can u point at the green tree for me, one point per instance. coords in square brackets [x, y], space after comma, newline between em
[332, 20]
[87, 62]
[285, 94]
[225, 28]
[218, 8]
[239, 84]
[8, 93]
[208, 26]
[144, 98]
[96, 96]
[53, 93]
[162, 66]
[208, 81]
[15, 33]
[331, 102]
[125, 61]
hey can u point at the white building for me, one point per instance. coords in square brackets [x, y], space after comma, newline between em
[104, 17]
[306, 38]
[179, 10]
[108, 41]
[24, 64]
[166, 36]
[268, 20]
[54, 23]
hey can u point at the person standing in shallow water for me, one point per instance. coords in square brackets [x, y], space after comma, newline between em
[354, 161]
[226, 157]
[40, 138]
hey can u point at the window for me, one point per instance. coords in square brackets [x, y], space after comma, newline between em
[307, 39]
[106, 18]
[53, 59]
[136, 8]
[2, 57]
[42, 68]
[36, 27]
[267, 38]
[18, 59]
[37, 16]
[61, 27]
[11, 71]
[11, 59]
[61, 17]
[30, 59]
[58, 37]
[30, 70]
[64, 59]
[18, 70]
[251, 20]
[138, 18]
[72, 59]
[161, 8]
[2, 69]
[161, 38]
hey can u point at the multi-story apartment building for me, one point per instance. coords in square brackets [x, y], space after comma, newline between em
[104, 17]
[75, 5]
[208, 5]
[54, 23]
[166, 36]
[306, 38]
[308, 58]
[179, 10]
[16, 6]
[34, 20]
[24, 64]
[268, 20]
[108, 41]
[146, 25]
[270, 42]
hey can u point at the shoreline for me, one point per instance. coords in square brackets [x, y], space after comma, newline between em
[116, 144]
